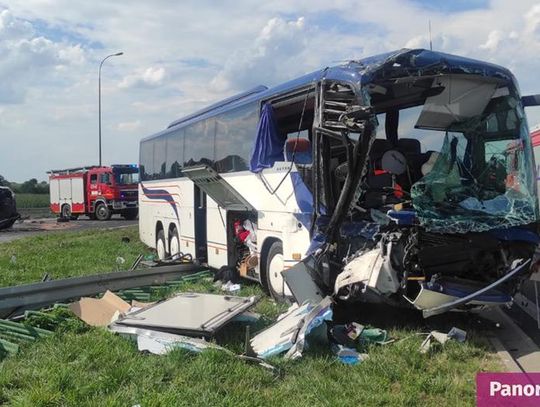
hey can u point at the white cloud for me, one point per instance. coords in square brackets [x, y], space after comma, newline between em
[181, 56]
[150, 77]
[29, 60]
[493, 41]
[279, 44]
[12, 28]
[532, 20]
[129, 126]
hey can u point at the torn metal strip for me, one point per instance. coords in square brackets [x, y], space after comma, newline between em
[461, 301]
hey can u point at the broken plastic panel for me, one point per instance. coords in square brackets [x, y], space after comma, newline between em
[290, 331]
[483, 176]
[189, 314]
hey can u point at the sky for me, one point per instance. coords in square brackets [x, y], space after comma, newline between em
[181, 56]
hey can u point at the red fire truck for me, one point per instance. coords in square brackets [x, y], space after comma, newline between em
[98, 192]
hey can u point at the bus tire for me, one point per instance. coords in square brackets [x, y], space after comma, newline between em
[273, 267]
[174, 244]
[65, 212]
[161, 245]
[103, 212]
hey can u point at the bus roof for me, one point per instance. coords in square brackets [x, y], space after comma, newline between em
[387, 66]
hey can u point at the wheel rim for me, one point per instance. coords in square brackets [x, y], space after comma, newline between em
[101, 212]
[275, 277]
[160, 249]
[66, 212]
[175, 247]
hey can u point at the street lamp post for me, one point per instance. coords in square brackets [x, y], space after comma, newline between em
[99, 97]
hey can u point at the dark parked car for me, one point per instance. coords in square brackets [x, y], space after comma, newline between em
[8, 208]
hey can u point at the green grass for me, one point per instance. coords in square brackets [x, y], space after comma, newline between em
[91, 366]
[25, 201]
[67, 254]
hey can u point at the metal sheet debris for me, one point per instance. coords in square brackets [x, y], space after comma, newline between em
[160, 343]
[290, 331]
[456, 334]
[190, 313]
[300, 282]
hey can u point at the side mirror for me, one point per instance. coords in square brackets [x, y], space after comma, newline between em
[530, 100]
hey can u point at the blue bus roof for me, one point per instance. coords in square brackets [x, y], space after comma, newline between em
[391, 65]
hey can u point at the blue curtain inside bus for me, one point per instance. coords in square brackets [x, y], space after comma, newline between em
[269, 143]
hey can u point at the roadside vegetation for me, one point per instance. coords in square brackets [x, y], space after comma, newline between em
[68, 254]
[25, 201]
[32, 186]
[80, 365]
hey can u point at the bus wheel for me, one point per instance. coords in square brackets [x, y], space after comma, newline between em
[161, 246]
[103, 212]
[174, 244]
[274, 267]
[66, 212]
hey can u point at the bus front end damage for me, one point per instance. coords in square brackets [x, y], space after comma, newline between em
[443, 220]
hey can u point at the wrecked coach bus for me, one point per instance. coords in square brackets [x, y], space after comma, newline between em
[405, 178]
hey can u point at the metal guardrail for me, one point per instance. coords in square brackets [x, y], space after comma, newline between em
[17, 299]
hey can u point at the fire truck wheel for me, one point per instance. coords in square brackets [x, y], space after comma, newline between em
[274, 266]
[161, 246]
[103, 212]
[66, 212]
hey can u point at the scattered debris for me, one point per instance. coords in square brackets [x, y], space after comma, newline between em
[160, 343]
[454, 333]
[291, 329]
[99, 312]
[230, 287]
[300, 281]
[348, 356]
[353, 334]
[189, 314]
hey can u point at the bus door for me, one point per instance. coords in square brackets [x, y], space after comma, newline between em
[228, 198]
[201, 244]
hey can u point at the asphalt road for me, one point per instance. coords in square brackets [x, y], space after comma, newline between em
[31, 227]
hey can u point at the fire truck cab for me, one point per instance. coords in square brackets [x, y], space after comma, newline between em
[98, 192]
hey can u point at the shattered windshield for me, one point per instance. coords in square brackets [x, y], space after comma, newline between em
[483, 177]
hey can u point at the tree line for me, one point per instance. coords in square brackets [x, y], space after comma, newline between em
[32, 186]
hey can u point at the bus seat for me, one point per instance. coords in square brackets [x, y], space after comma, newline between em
[412, 150]
[378, 148]
[377, 180]
[299, 148]
[409, 146]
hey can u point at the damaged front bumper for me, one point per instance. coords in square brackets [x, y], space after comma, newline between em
[434, 302]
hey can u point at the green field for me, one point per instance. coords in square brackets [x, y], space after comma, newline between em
[32, 201]
[67, 254]
[90, 366]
